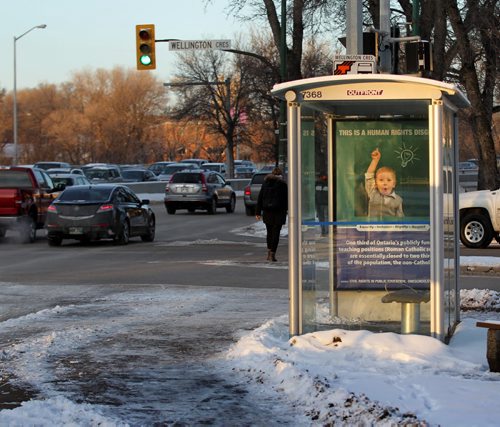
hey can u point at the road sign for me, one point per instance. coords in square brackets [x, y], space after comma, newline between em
[354, 64]
[199, 44]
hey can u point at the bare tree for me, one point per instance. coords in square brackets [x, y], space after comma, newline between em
[466, 49]
[211, 87]
[477, 35]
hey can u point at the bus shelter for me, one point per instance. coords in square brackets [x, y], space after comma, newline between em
[373, 201]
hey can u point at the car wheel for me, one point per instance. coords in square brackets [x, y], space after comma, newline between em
[249, 211]
[54, 240]
[497, 237]
[232, 205]
[27, 232]
[2, 232]
[476, 231]
[212, 206]
[170, 210]
[150, 235]
[123, 235]
[191, 210]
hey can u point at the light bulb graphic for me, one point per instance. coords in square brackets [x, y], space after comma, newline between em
[406, 157]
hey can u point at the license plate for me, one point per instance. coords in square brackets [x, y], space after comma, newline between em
[75, 230]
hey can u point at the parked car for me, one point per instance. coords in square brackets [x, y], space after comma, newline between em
[199, 189]
[50, 165]
[467, 166]
[479, 219]
[105, 211]
[197, 162]
[267, 168]
[107, 173]
[247, 163]
[63, 180]
[173, 168]
[158, 167]
[251, 192]
[242, 172]
[138, 175]
[54, 171]
[216, 167]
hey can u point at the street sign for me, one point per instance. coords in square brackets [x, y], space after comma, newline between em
[199, 44]
[354, 64]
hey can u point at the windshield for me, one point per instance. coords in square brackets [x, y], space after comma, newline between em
[187, 178]
[60, 180]
[258, 178]
[169, 170]
[216, 168]
[14, 179]
[98, 173]
[86, 194]
[132, 174]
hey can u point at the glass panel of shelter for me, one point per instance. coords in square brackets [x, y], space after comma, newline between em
[349, 246]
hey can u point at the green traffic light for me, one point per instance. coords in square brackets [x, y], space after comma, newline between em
[145, 60]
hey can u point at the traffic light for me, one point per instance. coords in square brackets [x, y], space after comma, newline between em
[145, 46]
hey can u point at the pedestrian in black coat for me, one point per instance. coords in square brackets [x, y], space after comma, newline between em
[272, 206]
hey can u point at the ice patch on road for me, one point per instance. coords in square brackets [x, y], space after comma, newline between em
[180, 243]
[222, 263]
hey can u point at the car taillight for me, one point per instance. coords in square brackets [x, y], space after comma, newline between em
[167, 188]
[204, 187]
[52, 209]
[247, 190]
[105, 208]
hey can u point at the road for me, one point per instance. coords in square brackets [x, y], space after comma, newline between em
[189, 249]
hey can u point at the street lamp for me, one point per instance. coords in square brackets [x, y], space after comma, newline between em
[15, 88]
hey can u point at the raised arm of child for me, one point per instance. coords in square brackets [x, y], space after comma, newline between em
[375, 159]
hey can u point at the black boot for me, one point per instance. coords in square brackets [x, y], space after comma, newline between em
[269, 257]
[273, 258]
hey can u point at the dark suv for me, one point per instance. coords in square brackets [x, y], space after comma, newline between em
[198, 189]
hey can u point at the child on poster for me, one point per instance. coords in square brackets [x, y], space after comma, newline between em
[379, 185]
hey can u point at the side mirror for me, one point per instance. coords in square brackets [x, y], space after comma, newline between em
[145, 202]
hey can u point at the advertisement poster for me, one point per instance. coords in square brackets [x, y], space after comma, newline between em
[382, 204]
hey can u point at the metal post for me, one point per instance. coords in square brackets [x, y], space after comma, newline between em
[385, 54]
[354, 30]
[15, 105]
[436, 218]
[15, 91]
[294, 255]
[282, 125]
[333, 297]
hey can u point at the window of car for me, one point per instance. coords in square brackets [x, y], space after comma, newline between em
[14, 179]
[258, 178]
[220, 180]
[89, 194]
[43, 179]
[187, 177]
[212, 179]
[81, 181]
[131, 197]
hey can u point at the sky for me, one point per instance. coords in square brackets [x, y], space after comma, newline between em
[332, 377]
[95, 34]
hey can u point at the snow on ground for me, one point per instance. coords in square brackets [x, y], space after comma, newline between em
[340, 377]
[331, 377]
